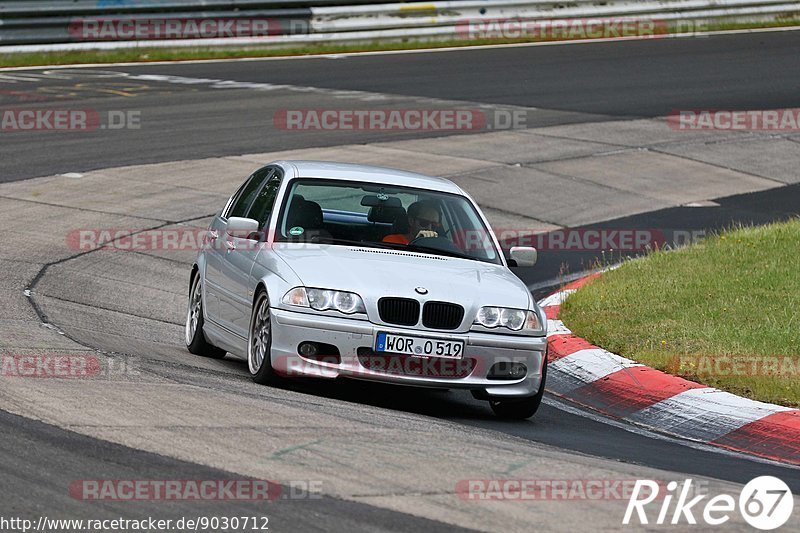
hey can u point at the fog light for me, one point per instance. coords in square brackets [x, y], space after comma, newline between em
[506, 370]
[319, 351]
[307, 349]
[517, 370]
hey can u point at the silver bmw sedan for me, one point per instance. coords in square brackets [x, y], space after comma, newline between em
[320, 269]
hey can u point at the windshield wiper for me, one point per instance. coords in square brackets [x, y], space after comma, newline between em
[350, 242]
[397, 246]
[439, 251]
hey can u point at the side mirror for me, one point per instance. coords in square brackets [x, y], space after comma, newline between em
[242, 228]
[523, 256]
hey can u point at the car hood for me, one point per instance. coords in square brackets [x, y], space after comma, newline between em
[377, 272]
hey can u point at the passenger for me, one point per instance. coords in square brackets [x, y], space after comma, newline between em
[423, 218]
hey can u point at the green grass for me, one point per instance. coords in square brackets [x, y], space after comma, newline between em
[735, 294]
[190, 53]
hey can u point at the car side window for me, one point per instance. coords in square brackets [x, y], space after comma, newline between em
[247, 193]
[262, 205]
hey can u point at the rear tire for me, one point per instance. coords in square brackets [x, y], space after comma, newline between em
[522, 408]
[259, 341]
[195, 339]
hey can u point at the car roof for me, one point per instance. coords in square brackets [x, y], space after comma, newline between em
[368, 173]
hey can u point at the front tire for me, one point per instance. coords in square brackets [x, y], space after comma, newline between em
[195, 340]
[259, 341]
[523, 408]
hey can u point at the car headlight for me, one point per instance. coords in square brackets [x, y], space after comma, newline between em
[325, 300]
[503, 317]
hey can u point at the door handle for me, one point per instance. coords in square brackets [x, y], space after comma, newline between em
[230, 245]
[213, 234]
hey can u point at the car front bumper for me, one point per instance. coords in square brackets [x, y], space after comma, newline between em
[355, 340]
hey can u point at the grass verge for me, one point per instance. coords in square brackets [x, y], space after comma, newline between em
[724, 312]
[194, 53]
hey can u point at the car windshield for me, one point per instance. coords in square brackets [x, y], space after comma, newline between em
[384, 216]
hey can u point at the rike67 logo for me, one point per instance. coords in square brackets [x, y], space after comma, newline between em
[765, 503]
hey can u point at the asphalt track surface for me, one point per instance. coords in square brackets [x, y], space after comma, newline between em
[567, 84]
[46, 459]
[732, 211]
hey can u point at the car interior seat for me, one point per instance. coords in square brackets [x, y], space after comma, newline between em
[307, 215]
[400, 223]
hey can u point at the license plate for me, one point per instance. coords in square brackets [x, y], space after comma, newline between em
[419, 346]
